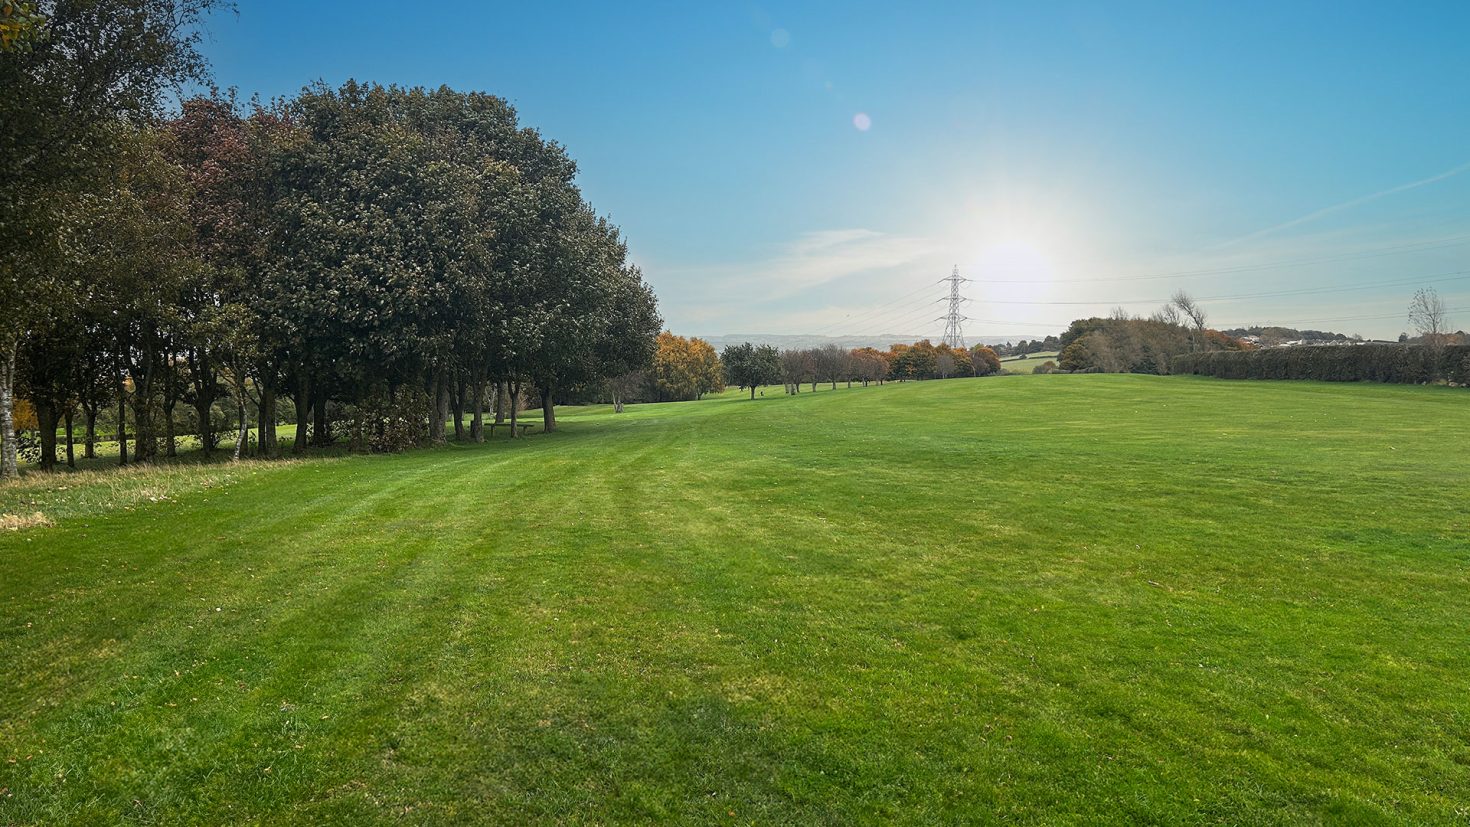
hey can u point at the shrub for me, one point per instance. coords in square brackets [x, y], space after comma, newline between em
[1393, 363]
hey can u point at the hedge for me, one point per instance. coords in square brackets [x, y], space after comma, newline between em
[1409, 364]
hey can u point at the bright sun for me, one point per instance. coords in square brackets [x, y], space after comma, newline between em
[1014, 258]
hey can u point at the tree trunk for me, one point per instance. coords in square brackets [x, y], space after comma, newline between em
[457, 406]
[145, 438]
[168, 428]
[548, 410]
[814, 386]
[71, 454]
[122, 421]
[265, 422]
[501, 397]
[752, 391]
[170, 400]
[320, 432]
[243, 436]
[303, 412]
[515, 399]
[9, 462]
[477, 424]
[46, 419]
[204, 396]
[439, 408]
[202, 409]
[617, 401]
[89, 451]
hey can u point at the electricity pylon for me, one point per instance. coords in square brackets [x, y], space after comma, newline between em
[954, 331]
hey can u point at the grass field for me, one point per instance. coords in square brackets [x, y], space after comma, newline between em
[1016, 364]
[1049, 599]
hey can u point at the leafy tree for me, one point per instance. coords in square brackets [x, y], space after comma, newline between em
[750, 366]
[870, 365]
[831, 362]
[984, 361]
[82, 65]
[685, 369]
[797, 365]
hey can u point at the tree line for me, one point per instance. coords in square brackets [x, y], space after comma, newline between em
[381, 257]
[1122, 343]
[686, 368]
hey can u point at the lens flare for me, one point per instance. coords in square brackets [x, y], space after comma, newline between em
[780, 38]
[862, 122]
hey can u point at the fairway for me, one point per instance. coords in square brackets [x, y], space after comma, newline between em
[1041, 599]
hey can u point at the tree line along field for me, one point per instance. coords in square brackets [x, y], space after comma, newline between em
[1050, 599]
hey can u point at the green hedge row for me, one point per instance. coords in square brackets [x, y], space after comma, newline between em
[1409, 364]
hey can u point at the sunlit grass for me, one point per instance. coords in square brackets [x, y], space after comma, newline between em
[1050, 599]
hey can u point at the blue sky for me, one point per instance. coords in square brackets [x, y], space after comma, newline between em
[1069, 157]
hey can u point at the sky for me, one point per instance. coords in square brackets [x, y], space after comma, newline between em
[819, 168]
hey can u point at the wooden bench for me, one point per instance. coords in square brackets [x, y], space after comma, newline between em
[521, 427]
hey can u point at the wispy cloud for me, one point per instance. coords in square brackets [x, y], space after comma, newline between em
[825, 256]
[1347, 205]
[738, 295]
[810, 260]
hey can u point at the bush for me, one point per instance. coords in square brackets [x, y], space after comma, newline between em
[1393, 363]
[387, 424]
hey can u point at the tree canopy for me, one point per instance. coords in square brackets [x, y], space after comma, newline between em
[391, 253]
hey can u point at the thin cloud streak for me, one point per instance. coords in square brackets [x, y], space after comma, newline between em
[1347, 205]
[811, 260]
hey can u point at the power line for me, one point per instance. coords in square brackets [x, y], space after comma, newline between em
[881, 310]
[1426, 278]
[896, 318]
[1378, 252]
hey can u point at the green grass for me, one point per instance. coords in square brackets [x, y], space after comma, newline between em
[1059, 599]
[1016, 364]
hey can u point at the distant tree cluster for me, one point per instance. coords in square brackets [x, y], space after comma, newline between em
[922, 360]
[1128, 344]
[381, 257]
[687, 368]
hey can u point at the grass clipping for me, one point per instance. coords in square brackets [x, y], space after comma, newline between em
[17, 522]
[40, 500]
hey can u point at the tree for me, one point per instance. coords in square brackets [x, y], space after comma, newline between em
[52, 117]
[831, 363]
[796, 366]
[685, 369]
[1192, 313]
[870, 365]
[944, 364]
[984, 361]
[749, 366]
[20, 23]
[1430, 319]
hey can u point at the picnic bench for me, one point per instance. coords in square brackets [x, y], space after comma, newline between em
[521, 427]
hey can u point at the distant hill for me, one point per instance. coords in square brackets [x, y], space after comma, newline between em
[800, 340]
[794, 341]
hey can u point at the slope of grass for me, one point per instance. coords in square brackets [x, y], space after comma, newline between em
[1060, 599]
[1016, 364]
